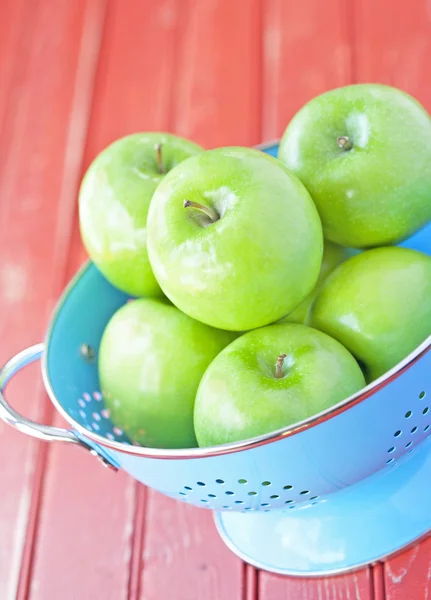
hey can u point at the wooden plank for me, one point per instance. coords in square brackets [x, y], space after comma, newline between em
[218, 95]
[216, 101]
[357, 586]
[15, 39]
[35, 130]
[409, 574]
[135, 74]
[307, 50]
[183, 557]
[110, 513]
[397, 51]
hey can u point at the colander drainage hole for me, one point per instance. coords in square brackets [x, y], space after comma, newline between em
[289, 501]
[422, 395]
[408, 414]
[414, 429]
[227, 507]
[242, 481]
[239, 502]
[220, 481]
[265, 504]
[390, 460]
[409, 444]
[252, 493]
[211, 496]
[398, 433]
[314, 498]
[274, 497]
[426, 428]
[288, 487]
[186, 487]
[203, 500]
[391, 449]
[200, 483]
[304, 492]
[229, 493]
[183, 494]
[425, 410]
[265, 483]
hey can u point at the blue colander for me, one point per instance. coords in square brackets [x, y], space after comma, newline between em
[343, 489]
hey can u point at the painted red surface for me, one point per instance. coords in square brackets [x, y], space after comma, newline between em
[73, 77]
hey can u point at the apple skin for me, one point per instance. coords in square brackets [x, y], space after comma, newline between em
[239, 396]
[151, 360]
[377, 304]
[113, 204]
[379, 192]
[333, 255]
[257, 261]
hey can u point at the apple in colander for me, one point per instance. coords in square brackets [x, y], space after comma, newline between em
[114, 197]
[363, 151]
[234, 238]
[270, 378]
[333, 255]
[378, 305]
[151, 359]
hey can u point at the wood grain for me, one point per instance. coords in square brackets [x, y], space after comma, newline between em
[356, 586]
[183, 557]
[33, 245]
[306, 50]
[219, 87]
[395, 50]
[409, 574]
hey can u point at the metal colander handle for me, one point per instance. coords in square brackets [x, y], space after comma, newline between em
[47, 433]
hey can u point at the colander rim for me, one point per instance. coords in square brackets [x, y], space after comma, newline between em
[204, 452]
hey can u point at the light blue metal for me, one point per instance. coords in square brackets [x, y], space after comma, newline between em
[346, 488]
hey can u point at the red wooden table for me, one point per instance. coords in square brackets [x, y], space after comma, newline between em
[75, 75]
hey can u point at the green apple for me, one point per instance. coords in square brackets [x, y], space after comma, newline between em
[271, 378]
[333, 255]
[364, 153]
[234, 239]
[378, 305]
[151, 359]
[113, 204]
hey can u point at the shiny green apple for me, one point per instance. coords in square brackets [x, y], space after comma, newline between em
[151, 359]
[271, 378]
[234, 239]
[333, 255]
[364, 153]
[113, 204]
[378, 305]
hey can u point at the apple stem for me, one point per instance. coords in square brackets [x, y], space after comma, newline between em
[159, 158]
[210, 213]
[344, 142]
[279, 366]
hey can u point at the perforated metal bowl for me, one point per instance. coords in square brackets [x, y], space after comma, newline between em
[312, 473]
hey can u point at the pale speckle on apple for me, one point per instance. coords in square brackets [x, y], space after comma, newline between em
[146, 176]
[222, 198]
